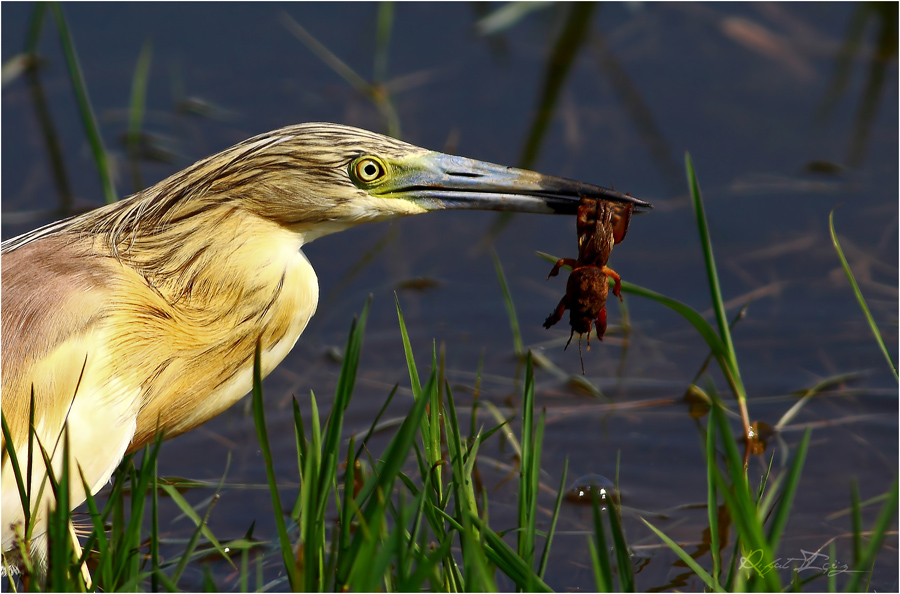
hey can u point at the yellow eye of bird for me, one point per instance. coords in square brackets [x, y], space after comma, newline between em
[369, 170]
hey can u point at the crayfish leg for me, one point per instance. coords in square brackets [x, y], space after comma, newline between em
[560, 263]
[617, 289]
[601, 323]
[557, 314]
[621, 218]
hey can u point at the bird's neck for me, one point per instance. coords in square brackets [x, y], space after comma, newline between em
[219, 292]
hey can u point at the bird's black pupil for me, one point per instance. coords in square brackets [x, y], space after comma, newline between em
[371, 169]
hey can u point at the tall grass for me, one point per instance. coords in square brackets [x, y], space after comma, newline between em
[411, 518]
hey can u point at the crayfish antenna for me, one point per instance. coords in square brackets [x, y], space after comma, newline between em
[571, 334]
[580, 356]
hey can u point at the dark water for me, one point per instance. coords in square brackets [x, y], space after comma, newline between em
[749, 90]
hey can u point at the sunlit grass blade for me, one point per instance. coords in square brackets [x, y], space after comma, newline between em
[710, 582]
[808, 393]
[709, 259]
[344, 392]
[84, 105]
[407, 350]
[431, 435]
[716, 292]
[859, 296]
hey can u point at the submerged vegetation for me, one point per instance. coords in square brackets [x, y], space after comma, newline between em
[414, 515]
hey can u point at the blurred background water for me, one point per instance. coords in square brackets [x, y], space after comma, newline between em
[788, 111]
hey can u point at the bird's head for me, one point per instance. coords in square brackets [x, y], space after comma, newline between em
[315, 179]
[319, 178]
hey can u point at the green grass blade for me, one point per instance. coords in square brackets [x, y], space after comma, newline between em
[407, 350]
[84, 105]
[10, 450]
[346, 381]
[102, 574]
[603, 572]
[35, 28]
[324, 54]
[709, 259]
[856, 522]
[879, 530]
[545, 556]
[859, 296]
[787, 494]
[510, 306]
[716, 291]
[504, 557]
[131, 537]
[380, 484]
[710, 582]
[59, 545]
[199, 523]
[259, 419]
[154, 522]
[384, 25]
[595, 567]
[529, 469]
[712, 501]
[741, 502]
[622, 553]
[192, 542]
[136, 113]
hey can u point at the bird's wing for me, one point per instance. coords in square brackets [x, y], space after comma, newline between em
[54, 301]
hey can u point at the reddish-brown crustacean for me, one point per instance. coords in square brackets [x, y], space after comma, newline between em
[600, 226]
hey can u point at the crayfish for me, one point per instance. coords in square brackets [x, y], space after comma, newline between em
[600, 225]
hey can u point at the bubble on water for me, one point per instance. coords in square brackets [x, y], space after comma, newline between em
[583, 489]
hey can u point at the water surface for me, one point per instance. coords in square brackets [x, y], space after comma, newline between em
[749, 90]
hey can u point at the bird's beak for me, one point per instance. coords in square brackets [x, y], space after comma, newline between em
[437, 181]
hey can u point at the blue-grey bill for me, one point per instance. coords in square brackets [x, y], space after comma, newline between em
[449, 182]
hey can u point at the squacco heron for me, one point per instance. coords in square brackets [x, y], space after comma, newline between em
[144, 315]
